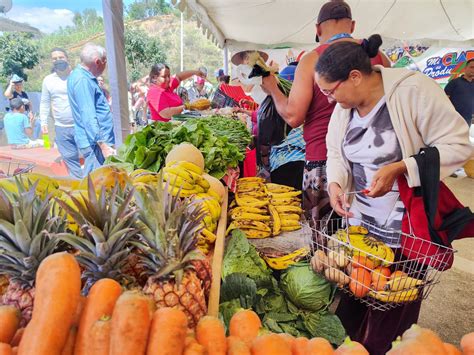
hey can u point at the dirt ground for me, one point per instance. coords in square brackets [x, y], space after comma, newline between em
[449, 309]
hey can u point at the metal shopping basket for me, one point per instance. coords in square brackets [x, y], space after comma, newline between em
[334, 251]
[13, 167]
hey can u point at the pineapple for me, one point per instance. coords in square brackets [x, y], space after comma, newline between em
[26, 239]
[169, 228]
[107, 225]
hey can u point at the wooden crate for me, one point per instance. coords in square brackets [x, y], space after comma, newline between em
[214, 296]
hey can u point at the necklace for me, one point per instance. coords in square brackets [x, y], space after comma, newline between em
[339, 36]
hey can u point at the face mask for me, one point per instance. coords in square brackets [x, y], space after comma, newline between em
[60, 65]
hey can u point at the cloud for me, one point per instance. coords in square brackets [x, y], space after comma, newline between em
[43, 18]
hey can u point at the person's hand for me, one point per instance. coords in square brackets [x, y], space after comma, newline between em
[201, 74]
[44, 129]
[385, 177]
[269, 83]
[31, 116]
[339, 201]
[107, 150]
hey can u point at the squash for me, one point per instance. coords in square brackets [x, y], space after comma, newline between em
[467, 344]
[349, 347]
[186, 152]
[245, 324]
[215, 185]
[58, 275]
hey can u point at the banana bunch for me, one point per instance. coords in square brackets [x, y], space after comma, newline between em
[142, 177]
[184, 178]
[263, 210]
[283, 262]
[44, 184]
[396, 297]
[402, 283]
[364, 244]
[198, 105]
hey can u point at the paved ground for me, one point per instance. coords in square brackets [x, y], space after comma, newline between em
[449, 309]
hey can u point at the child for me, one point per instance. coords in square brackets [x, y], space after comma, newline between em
[18, 126]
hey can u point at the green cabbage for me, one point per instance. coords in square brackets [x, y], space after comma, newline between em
[305, 288]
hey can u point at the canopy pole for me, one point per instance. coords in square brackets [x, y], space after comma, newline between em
[115, 45]
[182, 41]
[226, 60]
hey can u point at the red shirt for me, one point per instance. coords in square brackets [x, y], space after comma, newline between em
[317, 118]
[160, 99]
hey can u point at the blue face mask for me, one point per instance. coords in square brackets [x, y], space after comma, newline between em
[60, 65]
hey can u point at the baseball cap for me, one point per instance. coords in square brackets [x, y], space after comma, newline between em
[16, 103]
[334, 10]
[16, 79]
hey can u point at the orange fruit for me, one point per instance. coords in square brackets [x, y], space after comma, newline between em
[360, 261]
[398, 274]
[380, 277]
[360, 282]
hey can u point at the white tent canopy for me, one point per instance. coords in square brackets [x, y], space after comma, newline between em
[241, 24]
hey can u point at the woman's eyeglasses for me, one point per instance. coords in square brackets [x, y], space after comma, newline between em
[330, 92]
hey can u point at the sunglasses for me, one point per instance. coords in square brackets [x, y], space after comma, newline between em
[331, 92]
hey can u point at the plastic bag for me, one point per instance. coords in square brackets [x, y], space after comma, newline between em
[272, 128]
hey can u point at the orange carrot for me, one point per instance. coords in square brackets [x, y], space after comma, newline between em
[168, 332]
[290, 339]
[270, 344]
[195, 348]
[300, 346]
[78, 314]
[130, 325]
[71, 340]
[99, 341]
[450, 349]
[245, 324]
[319, 346]
[17, 337]
[467, 343]
[9, 319]
[58, 287]
[236, 346]
[100, 302]
[15, 350]
[5, 349]
[210, 333]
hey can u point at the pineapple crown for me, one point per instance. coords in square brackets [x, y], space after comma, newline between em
[28, 233]
[169, 228]
[106, 222]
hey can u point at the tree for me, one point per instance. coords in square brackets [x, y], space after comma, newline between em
[17, 53]
[142, 9]
[142, 51]
[88, 18]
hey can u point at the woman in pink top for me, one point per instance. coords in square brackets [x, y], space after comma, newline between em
[163, 102]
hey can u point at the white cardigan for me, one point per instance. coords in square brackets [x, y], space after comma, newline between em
[422, 116]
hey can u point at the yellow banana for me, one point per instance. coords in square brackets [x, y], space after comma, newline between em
[289, 194]
[146, 178]
[249, 210]
[358, 230]
[290, 228]
[255, 194]
[247, 224]
[271, 187]
[178, 181]
[250, 201]
[214, 195]
[208, 235]
[252, 216]
[290, 201]
[276, 226]
[290, 216]
[389, 256]
[250, 179]
[137, 172]
[183, 173]
[290, 223]
[186, 165]
[256, 234]
[281, 263]
[184, 192]
[289, 209]
[396, 297]
[402, 283]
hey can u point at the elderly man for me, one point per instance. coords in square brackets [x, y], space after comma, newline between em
[93, 121]
[54, 100]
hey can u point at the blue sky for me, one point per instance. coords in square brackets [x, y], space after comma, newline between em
[49, 15]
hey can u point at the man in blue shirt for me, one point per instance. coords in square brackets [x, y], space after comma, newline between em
[93, 121]
[18, 126]
[461, 92]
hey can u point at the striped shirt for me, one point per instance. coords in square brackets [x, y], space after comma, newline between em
[291, 149]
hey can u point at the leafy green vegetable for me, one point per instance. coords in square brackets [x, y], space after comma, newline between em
[305, 288]
[242, 257]
[325, 325]
[221, 142]
[239, 286]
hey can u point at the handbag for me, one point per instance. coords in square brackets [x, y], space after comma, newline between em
[433, 217]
